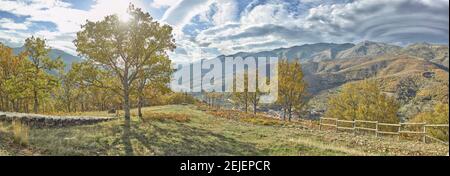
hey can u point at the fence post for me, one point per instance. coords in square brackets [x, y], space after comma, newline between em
[376, 129]
[399, 129]
[354, 127]
[424, 135]
[337, 127]
[320, 124]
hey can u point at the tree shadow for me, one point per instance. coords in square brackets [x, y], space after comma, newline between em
[126, 134]
[186, 140]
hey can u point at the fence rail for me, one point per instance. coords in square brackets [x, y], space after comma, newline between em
[332, 122]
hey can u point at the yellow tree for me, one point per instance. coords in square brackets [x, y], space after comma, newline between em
[42, 82]
[363, 101]
[241, 99]
[157, 75]
[292, 88]
[15, 75]
[440, 115]
[122, 50]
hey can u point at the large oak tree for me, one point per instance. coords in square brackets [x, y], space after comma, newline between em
[122, 50]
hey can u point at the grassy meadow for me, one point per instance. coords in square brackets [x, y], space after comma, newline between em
[189, 130]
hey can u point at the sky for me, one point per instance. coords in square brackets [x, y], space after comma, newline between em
[207, 28]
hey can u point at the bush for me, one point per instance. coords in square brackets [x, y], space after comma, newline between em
[20, 132]
[180, 98]
[438, 116]
[363, 101]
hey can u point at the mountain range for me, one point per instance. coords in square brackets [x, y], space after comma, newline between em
[421, 70]
[67, 58]
[330, 51]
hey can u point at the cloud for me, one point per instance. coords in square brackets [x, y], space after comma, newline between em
[227, 12]
[382, 20]
[67, 20]
[164, 3]
[265, 26]
[206, 28]
[182, 13]
[7, 23]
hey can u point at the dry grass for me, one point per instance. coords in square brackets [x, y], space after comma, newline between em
[200, 133]
[167, 116]
[91, 114]
[258, 119]
[20, 132]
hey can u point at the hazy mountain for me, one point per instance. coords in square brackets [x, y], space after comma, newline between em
[420, 70]
[308, 52]
[331, 51]
[431, 52]
[368, 49]
[67, 58]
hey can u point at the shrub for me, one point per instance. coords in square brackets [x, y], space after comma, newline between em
[20, 132]
[363, 101]
[438, 116]
[180, 98]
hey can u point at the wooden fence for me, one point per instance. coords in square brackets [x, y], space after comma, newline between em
[363, 125]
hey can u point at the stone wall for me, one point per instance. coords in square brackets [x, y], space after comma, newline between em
[39, 121]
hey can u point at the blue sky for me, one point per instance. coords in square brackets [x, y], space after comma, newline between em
[207, 28]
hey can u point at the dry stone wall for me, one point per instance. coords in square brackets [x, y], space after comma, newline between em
[39, 121]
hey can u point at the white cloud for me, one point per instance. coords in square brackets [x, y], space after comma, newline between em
[68, 20]
[262, 25]
[227, 11]
[181, 14]
[272, 25]
[7, 23]
[164, 3]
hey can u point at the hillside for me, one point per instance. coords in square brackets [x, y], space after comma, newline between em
[198, 133]
[435, 53]
[368, 49]
[67, 58]
[417, 69]
[417, 84]
[307, 52]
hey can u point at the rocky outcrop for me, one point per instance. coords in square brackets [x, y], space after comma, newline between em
[39, 121]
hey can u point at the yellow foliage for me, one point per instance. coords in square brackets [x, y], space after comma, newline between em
[20, 132]
[440, 115]
[363, 101]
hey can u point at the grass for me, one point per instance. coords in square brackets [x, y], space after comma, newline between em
[184, 130]
[20, 132]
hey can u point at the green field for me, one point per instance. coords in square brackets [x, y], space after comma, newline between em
[194, 132]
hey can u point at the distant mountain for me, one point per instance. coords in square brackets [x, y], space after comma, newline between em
[431, 52]
[67, 58]
[330, 51]
[417, 75]
[417, 84]
[368, 49]
[308, 52]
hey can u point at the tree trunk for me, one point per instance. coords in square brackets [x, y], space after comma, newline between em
[36, 101]
[255, 104]
[127, 125]
[290, 113]
[126, 102]
[68, 106]
[140, 104]
[246, 102]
